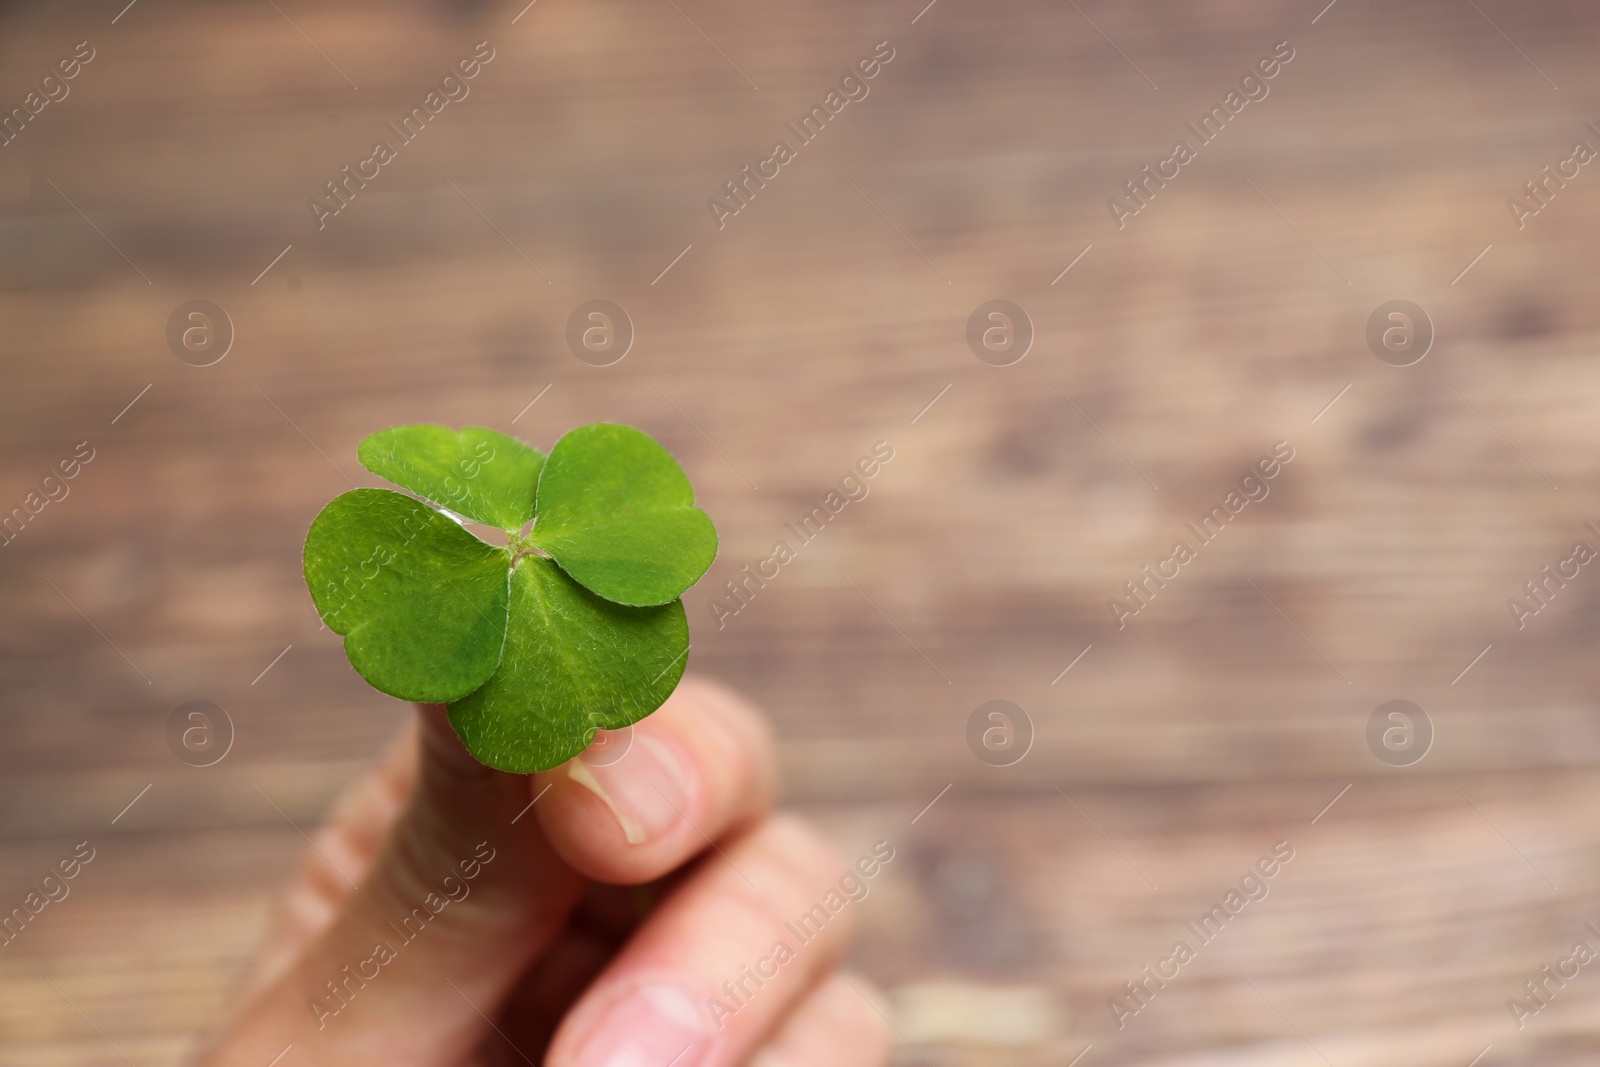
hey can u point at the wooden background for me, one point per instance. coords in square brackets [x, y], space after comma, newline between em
[771, 356]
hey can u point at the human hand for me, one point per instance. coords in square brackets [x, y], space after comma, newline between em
[444, 918]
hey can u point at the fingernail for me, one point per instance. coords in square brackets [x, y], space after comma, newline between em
[645, 789]
[653, 1026]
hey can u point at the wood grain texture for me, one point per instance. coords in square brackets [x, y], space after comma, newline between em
[770, 357]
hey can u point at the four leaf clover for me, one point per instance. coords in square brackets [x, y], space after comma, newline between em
[575, 624]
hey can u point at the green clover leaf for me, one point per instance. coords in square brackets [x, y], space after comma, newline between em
[478, 474]
[420, 601]
[618, 514]
[573, 662]
[532, 652]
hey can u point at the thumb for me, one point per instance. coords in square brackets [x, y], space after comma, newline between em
[465, 892]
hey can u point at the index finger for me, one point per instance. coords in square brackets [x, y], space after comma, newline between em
[645, 800]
